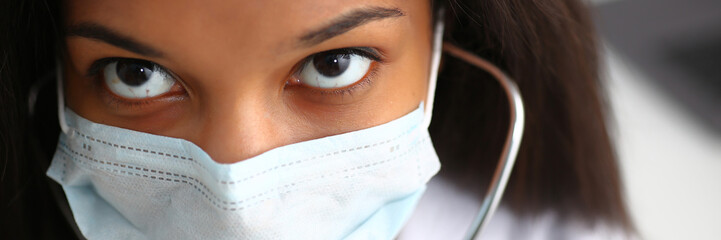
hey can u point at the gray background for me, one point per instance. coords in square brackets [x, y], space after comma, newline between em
[666, 112]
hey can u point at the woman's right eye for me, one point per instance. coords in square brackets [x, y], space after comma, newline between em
[137, 79]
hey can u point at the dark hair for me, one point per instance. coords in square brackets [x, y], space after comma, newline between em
[29, 39]
[566, 162]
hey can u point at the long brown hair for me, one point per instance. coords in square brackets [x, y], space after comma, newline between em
[566, 163]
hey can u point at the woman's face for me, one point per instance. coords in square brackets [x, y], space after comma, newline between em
[241, 77]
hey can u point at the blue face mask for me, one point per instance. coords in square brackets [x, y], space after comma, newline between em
[123, 184]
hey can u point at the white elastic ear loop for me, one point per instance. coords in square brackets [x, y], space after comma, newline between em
[61, 99]
[435, 63]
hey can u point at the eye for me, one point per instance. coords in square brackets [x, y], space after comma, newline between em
[335, 69]
[137, 79]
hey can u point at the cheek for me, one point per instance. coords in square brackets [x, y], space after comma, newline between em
[416, 81]
[410, 82]
[80, 94]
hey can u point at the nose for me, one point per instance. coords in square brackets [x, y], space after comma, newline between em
[237, 126]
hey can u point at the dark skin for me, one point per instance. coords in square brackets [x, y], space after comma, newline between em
[236, 91]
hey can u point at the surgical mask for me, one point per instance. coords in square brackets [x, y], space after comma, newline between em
[124, 184]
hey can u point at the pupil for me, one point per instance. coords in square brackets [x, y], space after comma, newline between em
[134, 74]
[331, 64]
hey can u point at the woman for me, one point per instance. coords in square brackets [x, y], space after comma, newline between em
[244, 80]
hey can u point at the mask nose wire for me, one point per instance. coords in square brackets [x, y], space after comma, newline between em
[510, 147]
[435, 63]
[61, 98]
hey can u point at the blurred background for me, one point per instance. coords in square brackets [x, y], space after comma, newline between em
[663, 76]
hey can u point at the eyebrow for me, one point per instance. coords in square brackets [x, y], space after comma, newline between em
[102, 33]
[347, 22]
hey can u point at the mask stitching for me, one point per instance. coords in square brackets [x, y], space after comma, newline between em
[215, 196]
[121, 146]
[271, 169]
[167, 178]
[65, 167]
[209, 192]
[350, 172]
[311, 159]
[205, 192]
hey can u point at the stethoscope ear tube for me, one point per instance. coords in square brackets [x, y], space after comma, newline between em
[510, 147]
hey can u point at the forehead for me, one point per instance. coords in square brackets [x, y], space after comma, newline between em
[230, 53]
[275, 23]
[217, 37]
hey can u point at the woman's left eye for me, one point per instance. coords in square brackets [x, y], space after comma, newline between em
[335, 69]
[137, 79]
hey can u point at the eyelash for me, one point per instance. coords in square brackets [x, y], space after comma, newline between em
[96, 68]
[366, 81]
[366, 52]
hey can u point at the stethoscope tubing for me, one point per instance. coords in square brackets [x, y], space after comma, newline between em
[510, 147]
